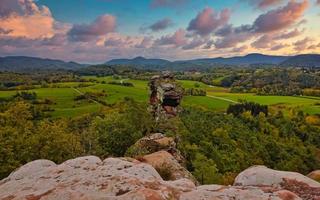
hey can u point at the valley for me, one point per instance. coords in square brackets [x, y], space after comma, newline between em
[217, 99]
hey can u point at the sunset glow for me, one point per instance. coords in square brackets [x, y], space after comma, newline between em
[94, 31]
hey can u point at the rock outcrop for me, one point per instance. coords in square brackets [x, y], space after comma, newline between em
[161, 152]
[154, 143]
[165, 163]
[261, 176]
[89, 178]
[165, 96]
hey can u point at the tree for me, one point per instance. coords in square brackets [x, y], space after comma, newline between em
[205, 169]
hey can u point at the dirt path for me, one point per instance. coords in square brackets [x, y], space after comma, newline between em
[81, 93]
[223, 99]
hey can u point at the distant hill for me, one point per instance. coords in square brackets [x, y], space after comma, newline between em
[244, 60]
[141, 61]
[203, 63]
[305, 60]
[24, 64]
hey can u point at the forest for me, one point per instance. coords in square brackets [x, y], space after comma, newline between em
[217, 145]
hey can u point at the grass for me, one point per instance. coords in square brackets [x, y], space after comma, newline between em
[65, 106]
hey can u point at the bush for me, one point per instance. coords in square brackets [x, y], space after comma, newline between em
[26, 95]
[126, 84]
[165, 171]
[195, 92]
[252, 107]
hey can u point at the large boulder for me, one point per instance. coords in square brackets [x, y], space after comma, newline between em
[261, 176]
[154, 143]
[219, 192]
[168, 166]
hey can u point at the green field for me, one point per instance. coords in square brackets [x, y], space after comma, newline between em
[218, 98]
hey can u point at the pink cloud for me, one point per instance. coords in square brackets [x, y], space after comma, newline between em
[177, 39]
[194, 43]
[21, 7]
[167, 3]
[208, 20]
[281, 18]
[145, 43]
[240, 49]
[303, 44]
[262, 4]
[161, 25]
[267, 3]
[287, 35]
[89, 32]
[263, 42]
[26, 19]
[229, 36]
[278, 47]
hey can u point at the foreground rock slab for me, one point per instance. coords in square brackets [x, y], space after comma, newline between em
[89, 178]
[261, 176]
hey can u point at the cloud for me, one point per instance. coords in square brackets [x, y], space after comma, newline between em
[240, 49]
[167, 3]
[208, 21]
[314, 46]
[4, 31]
[8, 7]
[269, 40]
[208, 44]
[318, 2]
[21, 7]
[229, 36]
[56, 40]
[161, 25]
[303, 44]
[267, 28]
[194, 43]
[287, 35]
[177, 39]
[278, 47]
[89, 32]
[145, 43]
[263, 42]
[281, 18]
[24, 18]
[262, 4]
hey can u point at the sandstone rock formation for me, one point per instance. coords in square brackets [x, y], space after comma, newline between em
[315, 175]
[89, 178]
[164, 162]
[154, 143]
[165, 96]
[161, 152]
[258, 176]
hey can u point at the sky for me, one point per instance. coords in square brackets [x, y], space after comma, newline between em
[95, 31]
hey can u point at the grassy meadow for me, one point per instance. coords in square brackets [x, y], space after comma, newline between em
[217, 98]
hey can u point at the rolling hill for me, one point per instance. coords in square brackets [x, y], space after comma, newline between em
[23, 64]
[305, 60]
[203, 63]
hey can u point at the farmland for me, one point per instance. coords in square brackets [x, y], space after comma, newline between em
[218, 98]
